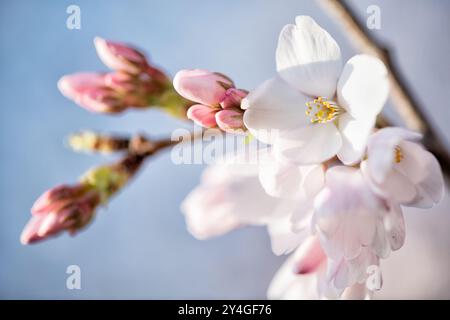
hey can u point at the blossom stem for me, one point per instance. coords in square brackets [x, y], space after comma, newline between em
[403, 100]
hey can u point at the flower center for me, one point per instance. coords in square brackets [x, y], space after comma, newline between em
[398, 154]
[321, 110]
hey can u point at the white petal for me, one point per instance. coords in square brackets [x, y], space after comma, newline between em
[380, 243]
[355, 133]
[308, 58]
[357, 291]
[380, 149]
[343, 273]
[314, 180]
[204, 218]
[312, 144]
[424, 171]
[396, 186]
[282, 238]
[363, 86]
[346, 213]
[394, 225]
[274, 106]
[225, 199]
[279, 178]
[288, 284]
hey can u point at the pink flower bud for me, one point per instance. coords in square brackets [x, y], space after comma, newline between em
[230, 120]
[120, 81]
[119, 56]
[74, 85]
[202, 86]
[56, 197]
[202, 115]
[102, 100]
[62, 208]
[233, 98]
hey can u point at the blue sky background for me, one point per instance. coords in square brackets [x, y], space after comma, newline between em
[138, 247]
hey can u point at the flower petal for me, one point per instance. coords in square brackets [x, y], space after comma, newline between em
[230, 120]
[289, 284]
[311, 144]
[202, 86]
[283, 239]
[394, 225]
[273, 106]
[206, 216]
[308, 58]
[310, 256]
[381, 147]
[283, 179]
[355, 134]
[424, 171]
[363, 86]
[202, 115]
[346, 213]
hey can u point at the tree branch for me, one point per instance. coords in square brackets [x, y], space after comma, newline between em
[402, 98]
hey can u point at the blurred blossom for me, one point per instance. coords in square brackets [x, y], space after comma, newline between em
[134, 83]
[303, 276]
[356, 227]
[119, 56]
[61, 208]
[90, 91]
[401, 169]
[71, 207]
[340, 104]
[88, 141]
[219, 100]
[224, 200]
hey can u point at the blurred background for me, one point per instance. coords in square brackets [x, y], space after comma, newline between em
[138, 246]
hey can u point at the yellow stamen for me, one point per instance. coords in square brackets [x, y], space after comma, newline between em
[321, 110]
[398, 156]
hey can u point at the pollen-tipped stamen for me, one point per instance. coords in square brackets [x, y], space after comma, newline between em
[398, 154]
[321, 110]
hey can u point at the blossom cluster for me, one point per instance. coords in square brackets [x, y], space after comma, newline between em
[133, 83]
[329, 187]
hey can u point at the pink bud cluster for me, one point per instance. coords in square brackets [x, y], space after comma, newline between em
[133, 83]
[218, 100]
[66, 207]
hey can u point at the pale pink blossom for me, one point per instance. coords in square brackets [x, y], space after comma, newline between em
[306, 275]
[349, 216]
[225, 200]
[400, 168]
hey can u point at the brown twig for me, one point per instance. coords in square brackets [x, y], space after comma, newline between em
[403, 100]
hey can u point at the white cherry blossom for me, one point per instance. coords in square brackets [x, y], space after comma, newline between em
[401, 169]
[315, 108]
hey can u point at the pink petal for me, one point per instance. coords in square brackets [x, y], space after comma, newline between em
[202, 115]
[202, 86]
[230, 120]
[119, 56]
[30, 232]
[311, 258]
[74, 85]
[233, 98]
[56, 198]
